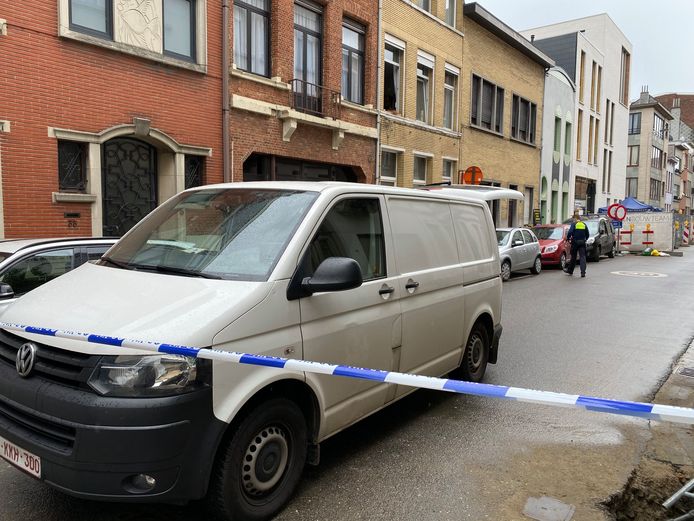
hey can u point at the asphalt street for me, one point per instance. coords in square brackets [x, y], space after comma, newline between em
[438, 456]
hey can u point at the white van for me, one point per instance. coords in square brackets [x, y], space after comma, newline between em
[368, 276]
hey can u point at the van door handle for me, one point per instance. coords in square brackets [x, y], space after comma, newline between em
[411, 286]
[386, 290]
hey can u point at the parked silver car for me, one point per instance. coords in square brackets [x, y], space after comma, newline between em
[519, 249]
[26, 264]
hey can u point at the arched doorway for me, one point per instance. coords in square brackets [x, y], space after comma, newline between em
[129, 177]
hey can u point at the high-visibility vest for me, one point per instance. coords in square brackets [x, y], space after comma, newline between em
[580, 225]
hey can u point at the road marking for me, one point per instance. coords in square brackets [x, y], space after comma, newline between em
[643, 274]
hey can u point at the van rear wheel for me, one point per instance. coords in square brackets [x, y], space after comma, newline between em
[259, 466]
[475, 356]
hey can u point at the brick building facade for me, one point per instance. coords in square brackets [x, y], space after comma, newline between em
[106, 108]
[303, 88]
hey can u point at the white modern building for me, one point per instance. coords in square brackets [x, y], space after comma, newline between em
[597, 57]
[556, 184]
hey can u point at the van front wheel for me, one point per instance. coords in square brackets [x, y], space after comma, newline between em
[258, 468]
[475, 356]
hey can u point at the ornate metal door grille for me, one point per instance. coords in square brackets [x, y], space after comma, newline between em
[129, 184]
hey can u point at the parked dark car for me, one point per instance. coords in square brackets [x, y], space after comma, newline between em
[554, 247]
[603, 239]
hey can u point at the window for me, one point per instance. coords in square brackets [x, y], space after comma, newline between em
[632, 186]
[635, 123]
[611, 124]
[633, 155]
[448, 170]
[423, 98]
[609, 171]
[92, 16]
[392, 78]
[251, 36]
[654, 192]
[582, 80]
[31, 272]
[656, 158]
[487, 107]
[179, 28]
[596, 140]
[424, 4]
[352, 228]
[308, 41]
[591, 130]
[523, 120]
[353, 62]
[72, 166]
[658, 126]
[567, 142]
[598, 91]
[528, 237]
[389, 168]
[420, 170]
[450, 87]
[593, 84]
[450, 12]
[624, 77]
[193, 167]
[607, 122]
[579, 135]
[557, 135]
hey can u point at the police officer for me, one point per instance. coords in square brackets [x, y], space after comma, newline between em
[578, 235]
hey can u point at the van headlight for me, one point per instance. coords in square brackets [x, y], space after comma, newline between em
[137, 376]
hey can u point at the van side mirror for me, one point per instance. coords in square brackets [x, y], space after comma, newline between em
[334, 274]
[6, 291]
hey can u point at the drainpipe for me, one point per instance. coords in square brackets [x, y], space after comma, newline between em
[226, 163]
[378, 94]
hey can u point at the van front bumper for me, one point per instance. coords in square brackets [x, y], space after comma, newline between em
[101, 448]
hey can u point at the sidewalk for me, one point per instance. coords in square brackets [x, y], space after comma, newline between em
[668, 461]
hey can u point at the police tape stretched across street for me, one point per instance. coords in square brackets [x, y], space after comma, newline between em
[642, 410]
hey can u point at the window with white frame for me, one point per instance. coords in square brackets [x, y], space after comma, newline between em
[487, 105]
[392, 78]
[425, 68]
[450, 12]
[389, 168]
[251, 36]
[424, 4]
[523, 121]
[450, 97]
[448, 170]
[420, 169]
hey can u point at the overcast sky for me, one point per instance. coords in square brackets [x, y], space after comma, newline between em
[659, 32]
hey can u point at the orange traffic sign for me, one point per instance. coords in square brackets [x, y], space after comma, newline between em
[473, 175]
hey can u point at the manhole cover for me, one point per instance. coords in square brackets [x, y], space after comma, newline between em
[687, 371]
[645, 274]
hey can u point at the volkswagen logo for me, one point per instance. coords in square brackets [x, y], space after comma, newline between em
[26, 356]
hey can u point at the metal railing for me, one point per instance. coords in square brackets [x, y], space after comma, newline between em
[315, 99]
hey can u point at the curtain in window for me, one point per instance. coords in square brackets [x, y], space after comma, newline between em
[177, 27]
[259, 43]
[90, 14]
[356, 86]
[240, 38]
[487, 104]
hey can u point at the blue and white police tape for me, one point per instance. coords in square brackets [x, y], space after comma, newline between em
[642, 410]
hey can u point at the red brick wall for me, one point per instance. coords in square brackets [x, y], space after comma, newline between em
[254, 133]
[48, 81]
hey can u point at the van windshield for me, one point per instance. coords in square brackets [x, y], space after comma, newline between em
[226, 233]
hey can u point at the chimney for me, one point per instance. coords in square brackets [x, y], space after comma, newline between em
[644, 94]
[532, 38]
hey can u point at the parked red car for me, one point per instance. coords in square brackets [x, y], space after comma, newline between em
[554, 247]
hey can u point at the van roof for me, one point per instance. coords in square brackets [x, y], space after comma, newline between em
[343, 187]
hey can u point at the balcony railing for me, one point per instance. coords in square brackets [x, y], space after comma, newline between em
[315, 100]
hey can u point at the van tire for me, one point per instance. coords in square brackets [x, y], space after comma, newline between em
[505, 270]
[475, 357]
[276, 431]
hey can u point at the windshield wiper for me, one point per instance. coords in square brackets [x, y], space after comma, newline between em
[116, 263]
[181, 271]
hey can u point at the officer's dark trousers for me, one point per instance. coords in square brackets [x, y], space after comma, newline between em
[578, 249]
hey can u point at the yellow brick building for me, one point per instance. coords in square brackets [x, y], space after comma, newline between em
[420, 82]
[501, 114]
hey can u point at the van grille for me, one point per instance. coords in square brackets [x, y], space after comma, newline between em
[57, 365]
[48, 433]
